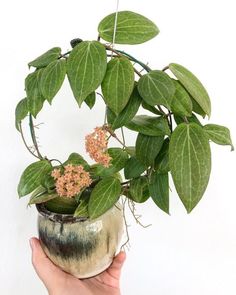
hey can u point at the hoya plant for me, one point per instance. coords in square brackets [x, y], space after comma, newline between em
[172, 139]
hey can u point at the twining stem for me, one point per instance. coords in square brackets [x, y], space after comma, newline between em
[126, 225]
[105, 116]
[32, 132]
[112, 133]
[119, 54]
[56, 161]
[132, 208]
[123, 135]
[170, 121]
[23, 138]
[186, 120]
[144, 66]
[65, 54]
[165, 68]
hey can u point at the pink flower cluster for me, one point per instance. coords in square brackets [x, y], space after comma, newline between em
[96, 145]
[72, 181]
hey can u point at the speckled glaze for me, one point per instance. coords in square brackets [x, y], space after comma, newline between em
[81, 247]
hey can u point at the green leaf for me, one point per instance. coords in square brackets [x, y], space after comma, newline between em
[156, 88]
[193, 86]
[181, 104]
[119, 159]
[90, 100]
[190, 163]
[162, 160]
[132, 28]
[159, 190]
[219, 134]
[38, 191]
[35, 98]
[111, 116]
[139, 189]
[129, 111]
[151, 109]
[52, 78]
[147, 148]
[31, 177]
[153, 126]
[86, 67]
[46, 58]
[118, 83]
[21, 112]
[48, 182]
[130, 150]
[62, 205]
[197, 109]
[42, 198]
[77, 159]
[105, 194]
[82, 209]
[192, 119]
[133, 168]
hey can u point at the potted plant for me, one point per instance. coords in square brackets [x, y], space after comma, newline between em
[80, 218]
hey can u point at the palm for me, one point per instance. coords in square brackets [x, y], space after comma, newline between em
[59, 282]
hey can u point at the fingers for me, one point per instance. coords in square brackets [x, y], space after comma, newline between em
[116, 266]
[45, 269]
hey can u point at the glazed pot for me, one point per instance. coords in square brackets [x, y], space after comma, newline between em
[79, 246]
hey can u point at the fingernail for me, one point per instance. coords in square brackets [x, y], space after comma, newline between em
[31, 241]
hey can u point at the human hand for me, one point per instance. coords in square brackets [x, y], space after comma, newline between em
[59, 282]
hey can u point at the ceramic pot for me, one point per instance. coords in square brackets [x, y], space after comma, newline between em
[81, 247]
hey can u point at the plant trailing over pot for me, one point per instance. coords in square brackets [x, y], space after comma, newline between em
[171, 138]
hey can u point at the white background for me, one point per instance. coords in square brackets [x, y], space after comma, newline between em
[180, 254]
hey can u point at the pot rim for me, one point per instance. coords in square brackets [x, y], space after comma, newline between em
[58, 217]
[67, 218]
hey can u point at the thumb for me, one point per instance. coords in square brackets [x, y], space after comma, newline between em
[116, 266]
[45, 269]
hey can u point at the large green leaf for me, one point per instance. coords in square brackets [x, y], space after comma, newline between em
[111, 116]
[35, 98]
[118, 83]
[90, 100]
[190, 163]
[48, 182]
[132, 28]
[52, 78]
[77, 159]
[151, 109]
[159, 190]
[42, 198]
[130, 150]
[147, 148]
[133, 168]
[197, 109]
[129, 111]
[105, 194]
[219, 134]
[156, 88]
[82, 209]
[86, 67]
[193, 86]
[46, 58]
[119, 159]
[181, 104]
[62, 205]
[192, 119]
[139, 189]
[153, 126]
[21, 112]
[31, 177]
[162, 160]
